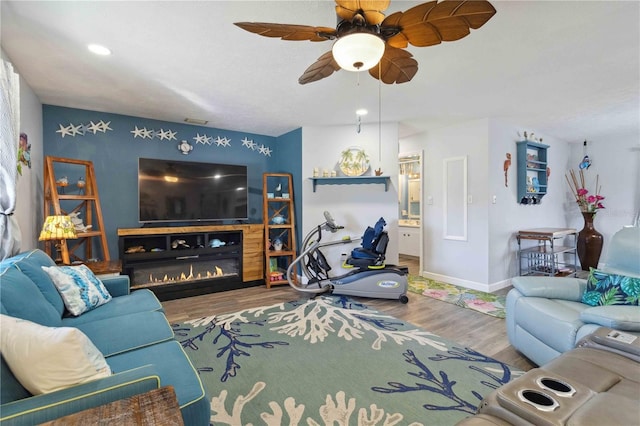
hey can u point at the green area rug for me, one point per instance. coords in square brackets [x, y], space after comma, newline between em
[480, 301]
[331, 360]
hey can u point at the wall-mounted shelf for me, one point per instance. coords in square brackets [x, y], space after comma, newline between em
[532, 172]
[351, 180]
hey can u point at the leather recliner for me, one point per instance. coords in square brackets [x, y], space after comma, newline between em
[545, 316]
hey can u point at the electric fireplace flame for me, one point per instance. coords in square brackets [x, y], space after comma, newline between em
[183, 274]
[190, 276]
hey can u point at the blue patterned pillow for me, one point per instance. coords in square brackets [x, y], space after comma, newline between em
[81, 291]
[611, 289]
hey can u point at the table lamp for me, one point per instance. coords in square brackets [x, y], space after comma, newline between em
[58, 228]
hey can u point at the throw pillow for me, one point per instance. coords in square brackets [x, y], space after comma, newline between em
[610, 289]
[46, 359]
[80, 289]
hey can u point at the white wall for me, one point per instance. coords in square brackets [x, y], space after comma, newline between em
[29, 201]
[507, 216]
[487, 260]
[353, 206]
[458, 262]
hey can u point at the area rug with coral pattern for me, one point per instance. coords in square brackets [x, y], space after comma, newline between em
[487, 303]
[331, 360]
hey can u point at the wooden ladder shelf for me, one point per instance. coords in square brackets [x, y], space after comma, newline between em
[83, 200]
[279, 227]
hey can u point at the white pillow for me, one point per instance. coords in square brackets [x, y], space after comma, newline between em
[81, 291]
[46, 359]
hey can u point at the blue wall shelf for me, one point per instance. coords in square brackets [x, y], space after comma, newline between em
[351, 180]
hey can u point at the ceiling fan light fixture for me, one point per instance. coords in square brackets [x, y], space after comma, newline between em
[358, 51]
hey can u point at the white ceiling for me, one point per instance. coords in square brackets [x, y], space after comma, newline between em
[569, 69]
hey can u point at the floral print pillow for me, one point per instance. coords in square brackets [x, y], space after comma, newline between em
[610, 289]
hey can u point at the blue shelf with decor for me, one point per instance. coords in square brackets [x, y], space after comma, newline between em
[532, 171]
[351, 180]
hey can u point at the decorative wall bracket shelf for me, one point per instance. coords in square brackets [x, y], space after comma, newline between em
[351, 180]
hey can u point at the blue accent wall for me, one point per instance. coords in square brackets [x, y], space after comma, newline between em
[115, 154]
[289, 160]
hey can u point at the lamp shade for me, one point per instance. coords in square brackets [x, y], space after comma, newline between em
[57, 228]
[358, 51]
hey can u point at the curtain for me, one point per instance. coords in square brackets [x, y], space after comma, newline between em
[9, 134]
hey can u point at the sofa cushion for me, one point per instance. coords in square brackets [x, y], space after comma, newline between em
[46, 359]
[138, 301]
[611, 289]
[21, 298]
[142, 329]
[174, 368]
[625, 318]
[30, 263]
[79, 288]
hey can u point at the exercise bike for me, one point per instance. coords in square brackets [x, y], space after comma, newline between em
[369, 277]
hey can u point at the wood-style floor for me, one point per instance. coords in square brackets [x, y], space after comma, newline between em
[481, 332]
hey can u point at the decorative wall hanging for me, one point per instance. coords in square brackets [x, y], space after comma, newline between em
[586, 161]
[185, 147]
[249, 143]
[80, 129]
[161, 134]
[222, 141]
[24, 153]
[507, 164]
[265, 150]
[204, 139]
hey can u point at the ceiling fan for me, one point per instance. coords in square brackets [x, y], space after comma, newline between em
[364, 37]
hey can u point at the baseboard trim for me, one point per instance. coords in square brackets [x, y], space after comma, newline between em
[473, 285]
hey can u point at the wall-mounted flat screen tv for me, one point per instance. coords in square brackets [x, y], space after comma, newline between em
[185, 191]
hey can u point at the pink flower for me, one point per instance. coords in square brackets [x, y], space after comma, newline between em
[436, 294]
[582, 192]
[591, 199]
[481, 305]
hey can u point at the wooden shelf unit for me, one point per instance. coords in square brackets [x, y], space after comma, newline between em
[278, 204]
[85, 201]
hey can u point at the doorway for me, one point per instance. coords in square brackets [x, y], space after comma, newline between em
[410, 211]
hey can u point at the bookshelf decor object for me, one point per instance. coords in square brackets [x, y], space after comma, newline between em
[279, 227]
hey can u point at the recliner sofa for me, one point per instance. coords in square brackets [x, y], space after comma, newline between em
[131, 331]
[545, 316]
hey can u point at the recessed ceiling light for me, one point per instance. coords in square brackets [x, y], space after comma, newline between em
[99, 50]
[362, 111]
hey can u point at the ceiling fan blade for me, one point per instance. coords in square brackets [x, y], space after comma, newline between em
[288, 32]
[396, 66]
[372, 10]
[432, 23]
[323, 67]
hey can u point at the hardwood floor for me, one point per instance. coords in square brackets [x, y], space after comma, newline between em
[482, 332]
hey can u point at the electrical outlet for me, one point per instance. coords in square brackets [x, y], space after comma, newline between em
[430, 200]
[494, 199]
[469, 199]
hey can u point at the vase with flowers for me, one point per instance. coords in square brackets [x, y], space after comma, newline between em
[590, 241]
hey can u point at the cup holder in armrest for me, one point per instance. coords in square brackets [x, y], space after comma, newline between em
[556, 386]
[538, 399]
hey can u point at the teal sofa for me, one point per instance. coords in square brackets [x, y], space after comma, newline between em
[131, 331]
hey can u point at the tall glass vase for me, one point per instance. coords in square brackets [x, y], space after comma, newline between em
[589, 243]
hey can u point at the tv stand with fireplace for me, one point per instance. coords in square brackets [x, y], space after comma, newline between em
[185, 261]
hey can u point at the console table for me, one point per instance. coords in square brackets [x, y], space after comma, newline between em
[156, 407]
